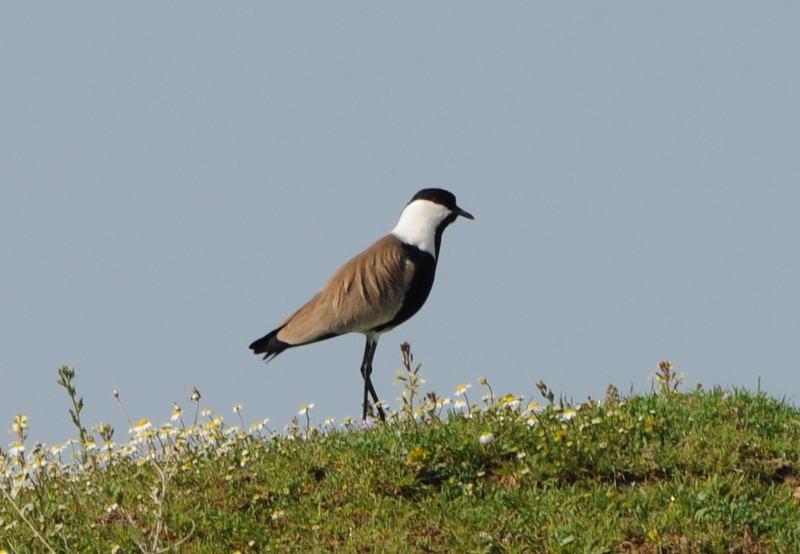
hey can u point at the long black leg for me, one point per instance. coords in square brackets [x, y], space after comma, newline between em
[366, 362]
[366, 373]
[375, 400]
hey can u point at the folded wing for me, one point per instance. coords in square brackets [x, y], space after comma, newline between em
[363, 294]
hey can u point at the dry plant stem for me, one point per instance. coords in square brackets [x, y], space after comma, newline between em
[122, 408]
[142, 546]
[545, 391]
[411, 380]
[195, 397]
[491, 393]
[182, 540]
[668, 379]
[159, 498]
[27, 521]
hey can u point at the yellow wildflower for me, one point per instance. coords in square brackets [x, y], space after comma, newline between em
[141, 426]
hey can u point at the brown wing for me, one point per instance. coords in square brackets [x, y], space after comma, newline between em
[364, 293]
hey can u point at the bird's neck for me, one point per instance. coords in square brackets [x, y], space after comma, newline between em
[419, 225]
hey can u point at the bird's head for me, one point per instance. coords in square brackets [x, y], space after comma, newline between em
[426, 216]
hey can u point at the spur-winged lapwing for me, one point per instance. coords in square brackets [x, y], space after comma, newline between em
[377, 290]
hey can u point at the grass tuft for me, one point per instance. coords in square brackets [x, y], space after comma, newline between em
[667, 471]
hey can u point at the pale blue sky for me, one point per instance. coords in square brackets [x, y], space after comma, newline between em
[176, 178]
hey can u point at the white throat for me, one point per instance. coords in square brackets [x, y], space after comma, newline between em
[418, 223]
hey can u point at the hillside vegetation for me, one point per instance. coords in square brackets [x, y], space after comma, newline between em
[667, 471]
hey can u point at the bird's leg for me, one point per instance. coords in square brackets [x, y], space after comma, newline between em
[365, 363]
[366, 373]
[375, 400]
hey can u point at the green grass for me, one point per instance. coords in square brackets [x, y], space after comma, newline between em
[673, 472]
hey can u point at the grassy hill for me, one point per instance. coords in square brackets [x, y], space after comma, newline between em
[666, 471]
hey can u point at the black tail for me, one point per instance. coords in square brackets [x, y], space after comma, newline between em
[269, 345]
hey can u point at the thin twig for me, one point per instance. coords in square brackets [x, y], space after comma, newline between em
[27, 521]
[142, 546]
[181, 541]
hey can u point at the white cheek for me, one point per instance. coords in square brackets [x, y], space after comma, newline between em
[418, 223]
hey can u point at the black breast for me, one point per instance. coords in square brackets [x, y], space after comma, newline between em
[418, 289]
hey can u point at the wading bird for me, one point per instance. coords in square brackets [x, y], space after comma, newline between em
[377, 290]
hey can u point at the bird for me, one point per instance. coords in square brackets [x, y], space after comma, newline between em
[376, 290]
